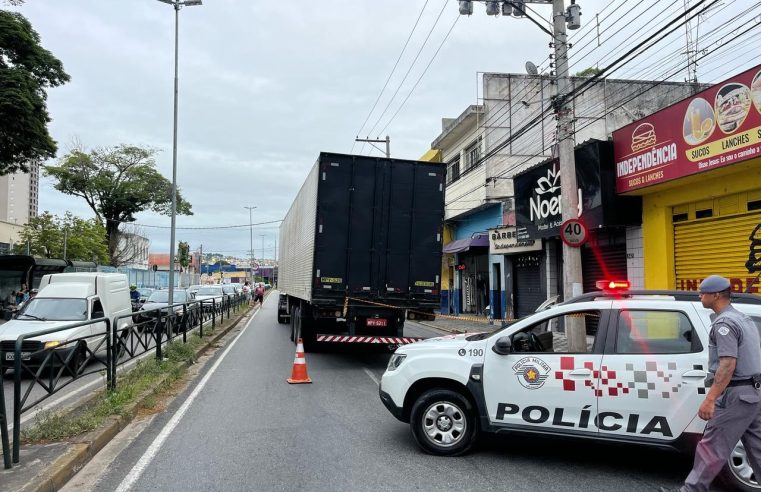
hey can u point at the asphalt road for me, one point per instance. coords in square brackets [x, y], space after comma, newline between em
[247, 429]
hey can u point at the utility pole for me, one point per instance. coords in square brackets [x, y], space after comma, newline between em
[251, 232]
[65, 240]
[569, 198]
[372, 141]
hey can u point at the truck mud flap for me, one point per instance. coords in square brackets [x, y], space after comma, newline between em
[367, 339]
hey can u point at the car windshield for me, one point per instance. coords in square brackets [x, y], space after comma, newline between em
[163, 296]
[228, 289]
[46, 309]
[145, 292]
[209, 291]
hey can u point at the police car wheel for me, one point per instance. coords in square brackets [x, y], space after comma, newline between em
[738, 472]
[443, 423]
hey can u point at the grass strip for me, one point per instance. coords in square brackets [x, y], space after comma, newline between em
[50, 426]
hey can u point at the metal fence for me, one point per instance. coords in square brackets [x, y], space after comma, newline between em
[98, 345]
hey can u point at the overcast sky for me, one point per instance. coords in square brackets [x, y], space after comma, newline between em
[265, 85]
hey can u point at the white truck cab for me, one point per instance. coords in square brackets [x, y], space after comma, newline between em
[66, 299]
[618, 366]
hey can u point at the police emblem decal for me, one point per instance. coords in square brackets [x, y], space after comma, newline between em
[531, 372]
[723, 330]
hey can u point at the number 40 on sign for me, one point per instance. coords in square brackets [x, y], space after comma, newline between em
[574, 233]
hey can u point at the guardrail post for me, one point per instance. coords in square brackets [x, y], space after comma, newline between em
[17, 397]
[158, 335]
[111, 353]
[184, 325]
[213, 313]
[200, 319]
[4, 423]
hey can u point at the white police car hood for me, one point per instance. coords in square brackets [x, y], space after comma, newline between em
[444, 342]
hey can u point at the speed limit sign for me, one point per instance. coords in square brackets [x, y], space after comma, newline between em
[574, 233]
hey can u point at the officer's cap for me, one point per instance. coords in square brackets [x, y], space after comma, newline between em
[714, 283]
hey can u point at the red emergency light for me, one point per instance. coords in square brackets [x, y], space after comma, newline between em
[613, 284]
[460, 266]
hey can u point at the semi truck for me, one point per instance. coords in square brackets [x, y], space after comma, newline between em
[360, 250]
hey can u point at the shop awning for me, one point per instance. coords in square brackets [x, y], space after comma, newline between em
[460, 245]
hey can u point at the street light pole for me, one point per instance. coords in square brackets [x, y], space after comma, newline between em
[177, 4]
[251, 232]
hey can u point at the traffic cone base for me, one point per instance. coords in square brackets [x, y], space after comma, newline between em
[299, 373]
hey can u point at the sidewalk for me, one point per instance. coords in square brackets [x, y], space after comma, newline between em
[466, 324]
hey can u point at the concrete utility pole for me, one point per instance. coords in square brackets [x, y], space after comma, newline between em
[569, 198]
[251, 231]
[372, 141]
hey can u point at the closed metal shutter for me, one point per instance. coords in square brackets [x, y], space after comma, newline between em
[602, 263]
[527, 294]
[717, 246]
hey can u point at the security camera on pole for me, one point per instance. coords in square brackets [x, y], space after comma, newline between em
[572, 278]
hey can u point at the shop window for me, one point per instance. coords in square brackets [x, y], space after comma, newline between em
[703, 214]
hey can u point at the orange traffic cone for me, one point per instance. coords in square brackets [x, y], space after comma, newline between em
[299, 374]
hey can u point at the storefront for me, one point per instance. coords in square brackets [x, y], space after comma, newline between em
[700, 181]
[470, 291]
[520, 273]
[609, 218]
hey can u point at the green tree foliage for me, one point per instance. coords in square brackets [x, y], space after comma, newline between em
[117, 183]
[46, 234]
[183, 255]
[26, 71]
[588, 72]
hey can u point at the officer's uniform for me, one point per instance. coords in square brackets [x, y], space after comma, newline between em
[738, 409]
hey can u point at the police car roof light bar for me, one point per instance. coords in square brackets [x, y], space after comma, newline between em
[616, 285]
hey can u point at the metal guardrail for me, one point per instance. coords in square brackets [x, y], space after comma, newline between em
[121, 339]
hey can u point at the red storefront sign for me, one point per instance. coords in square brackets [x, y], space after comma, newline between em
[714, 128]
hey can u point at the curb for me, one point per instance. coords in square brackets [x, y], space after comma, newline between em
[81, 451]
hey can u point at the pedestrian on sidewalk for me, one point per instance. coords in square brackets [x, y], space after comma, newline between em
[732, 407]
[259, 294]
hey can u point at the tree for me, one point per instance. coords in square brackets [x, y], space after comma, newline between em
[46, 235]
[588, 72]
[117, 183]
[26, 71]
[183, 255]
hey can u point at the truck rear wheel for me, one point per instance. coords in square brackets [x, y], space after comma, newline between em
[443, 422]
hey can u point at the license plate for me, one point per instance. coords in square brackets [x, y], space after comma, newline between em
[12, 355]
[377, 322]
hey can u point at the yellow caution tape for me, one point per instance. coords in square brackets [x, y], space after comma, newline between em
[443, 316]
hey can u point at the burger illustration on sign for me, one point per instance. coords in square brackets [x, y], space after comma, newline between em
[699, 121]
[732, 106]
[755, 90]
[643, 137]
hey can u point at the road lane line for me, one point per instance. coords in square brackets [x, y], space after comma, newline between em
[372, 376]
[137, 470]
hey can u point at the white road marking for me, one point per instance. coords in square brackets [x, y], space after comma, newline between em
[137, 470]
[372, 376]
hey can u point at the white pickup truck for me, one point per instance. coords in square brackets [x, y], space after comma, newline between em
[66, 299]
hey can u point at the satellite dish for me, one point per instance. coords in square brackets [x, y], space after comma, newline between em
[531, 68]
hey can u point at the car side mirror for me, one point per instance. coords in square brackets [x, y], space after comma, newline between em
[503, 346]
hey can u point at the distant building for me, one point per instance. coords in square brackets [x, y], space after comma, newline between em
[133, 250]
[9, 235]
[19, 195]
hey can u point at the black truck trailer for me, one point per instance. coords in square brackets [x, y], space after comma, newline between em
[360, 249]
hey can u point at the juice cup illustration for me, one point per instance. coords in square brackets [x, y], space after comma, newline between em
[696, 124]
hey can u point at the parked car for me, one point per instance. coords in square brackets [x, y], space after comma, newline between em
[229, 291]
[181, 302]
[209, 293]
[194, 288]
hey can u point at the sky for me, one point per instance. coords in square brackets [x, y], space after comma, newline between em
[265, 86]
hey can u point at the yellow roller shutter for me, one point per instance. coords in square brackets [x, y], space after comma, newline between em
[714, 246]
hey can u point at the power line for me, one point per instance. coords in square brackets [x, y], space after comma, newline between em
[390, 74]
[199, 228]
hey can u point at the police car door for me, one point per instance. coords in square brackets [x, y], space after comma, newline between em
[653, 370]
[550, 377]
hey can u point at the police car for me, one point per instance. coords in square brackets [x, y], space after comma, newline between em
[617, 365]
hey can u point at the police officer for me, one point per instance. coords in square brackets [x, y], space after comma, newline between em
[732, 407]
